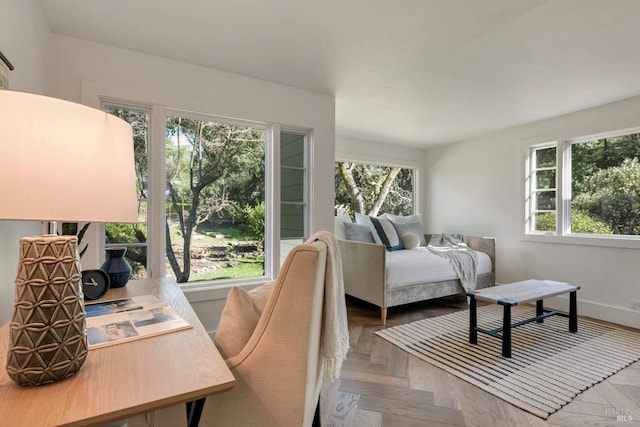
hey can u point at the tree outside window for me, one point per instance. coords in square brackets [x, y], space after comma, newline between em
[214, 200]
[602, 196]
[373, 189]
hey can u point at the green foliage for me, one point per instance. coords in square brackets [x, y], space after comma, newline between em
[546, 157]
[581, 222]
[139, 121]
[546, 222]
[589, 157]
[613, 196]
[212, 170]
[255, 220]
[129, 233]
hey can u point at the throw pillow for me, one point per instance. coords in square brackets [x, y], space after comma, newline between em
[358, 232]
[398, 219]
[240, 317]
[413, 228]
[410, 241]
[365, 219]
[387, 233]
[338, 225]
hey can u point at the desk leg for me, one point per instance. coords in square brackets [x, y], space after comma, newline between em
[194, 412]
[539, 310]
[473, 320]
[506, 331]
[573, 312]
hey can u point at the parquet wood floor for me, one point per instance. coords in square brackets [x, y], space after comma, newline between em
[383, 386]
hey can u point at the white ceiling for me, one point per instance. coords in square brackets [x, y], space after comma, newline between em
[407, 72]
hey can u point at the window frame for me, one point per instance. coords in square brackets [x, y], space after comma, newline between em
[414, 167]
[563, 233]
[145, 108]
[156, 152]
[270, 269]
[532, 190]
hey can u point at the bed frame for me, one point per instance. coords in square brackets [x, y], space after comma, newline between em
[363, 266]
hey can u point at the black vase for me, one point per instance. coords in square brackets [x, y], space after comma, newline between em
[117, 267]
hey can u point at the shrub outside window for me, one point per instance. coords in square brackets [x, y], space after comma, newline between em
[585, 186]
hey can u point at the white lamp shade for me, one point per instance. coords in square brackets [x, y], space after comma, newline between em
[61, 161]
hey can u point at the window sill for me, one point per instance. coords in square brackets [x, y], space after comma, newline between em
[619, 242]
[208, 290]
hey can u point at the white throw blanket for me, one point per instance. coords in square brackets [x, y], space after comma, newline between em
[335, 328]
[463, 260]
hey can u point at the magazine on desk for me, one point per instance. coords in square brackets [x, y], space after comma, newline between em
[128, 319]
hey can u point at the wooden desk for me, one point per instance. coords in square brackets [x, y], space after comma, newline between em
[123, 380]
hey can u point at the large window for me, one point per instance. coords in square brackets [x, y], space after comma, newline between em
[373, 189]
[215, 199]
[219, 198]
[585, 186]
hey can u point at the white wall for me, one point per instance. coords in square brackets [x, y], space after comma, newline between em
[77, 64]
[23, 40]
[477, 187]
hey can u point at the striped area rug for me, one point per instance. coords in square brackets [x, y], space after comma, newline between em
[549, 365]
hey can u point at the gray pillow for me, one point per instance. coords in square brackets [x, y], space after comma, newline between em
[411, 227]
[358, 232]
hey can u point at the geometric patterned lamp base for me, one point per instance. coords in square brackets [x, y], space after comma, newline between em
[48, 336]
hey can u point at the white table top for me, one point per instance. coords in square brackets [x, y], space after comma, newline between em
[524, 291]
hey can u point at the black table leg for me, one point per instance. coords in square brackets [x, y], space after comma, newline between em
[506, 330]
[194, 412]
[539, 311]
[573, 312]
[473, 320]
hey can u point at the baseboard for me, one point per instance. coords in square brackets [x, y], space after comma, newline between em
[607, 313]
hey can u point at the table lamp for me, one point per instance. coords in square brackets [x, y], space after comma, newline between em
[59, 161]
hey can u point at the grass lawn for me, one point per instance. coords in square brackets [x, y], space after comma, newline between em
[245, 267]
[206, 237]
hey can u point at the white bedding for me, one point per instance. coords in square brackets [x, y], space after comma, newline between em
[416, 266]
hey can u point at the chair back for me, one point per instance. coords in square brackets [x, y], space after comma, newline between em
[279, 371]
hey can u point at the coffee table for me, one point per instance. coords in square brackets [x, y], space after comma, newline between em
[520, 293]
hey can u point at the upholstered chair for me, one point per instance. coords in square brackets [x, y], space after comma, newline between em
[278, 371]
[274, 339]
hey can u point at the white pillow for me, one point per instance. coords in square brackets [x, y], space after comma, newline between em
[338, 225]
[365, 219]
[410, 241]
[401, 219]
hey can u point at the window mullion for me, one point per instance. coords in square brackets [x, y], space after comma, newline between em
[564, 188]
[157, 188]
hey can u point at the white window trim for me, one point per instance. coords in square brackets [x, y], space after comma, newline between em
[306, 168]
[563, 234]
[100, 227]
[415, 167]
[93, 94]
